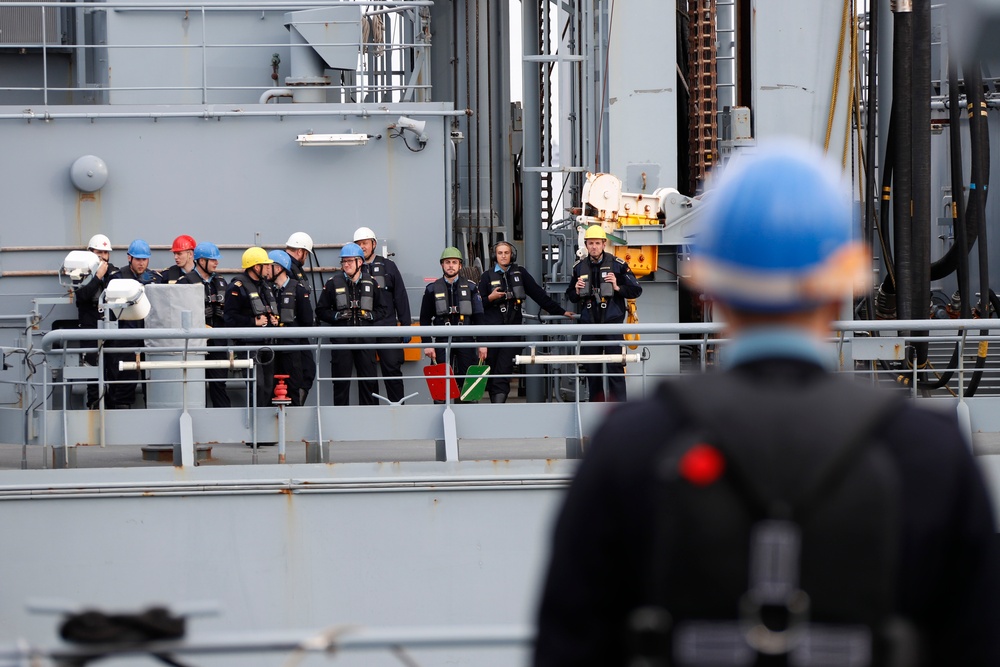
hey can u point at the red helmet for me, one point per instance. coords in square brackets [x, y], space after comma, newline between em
[182, 243]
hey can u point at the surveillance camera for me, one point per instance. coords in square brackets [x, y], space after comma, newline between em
[408, 123]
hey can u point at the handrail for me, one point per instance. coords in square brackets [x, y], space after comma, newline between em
[52, 338]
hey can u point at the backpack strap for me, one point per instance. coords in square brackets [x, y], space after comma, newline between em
[786, 444]
[782, 429]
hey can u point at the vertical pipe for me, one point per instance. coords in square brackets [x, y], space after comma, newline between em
[531, 181]
[920, 178]
[79, 55]
[958, 182]
[885, 87]
[871, 109]
[902, 161]
[204, 57]
[45, 62]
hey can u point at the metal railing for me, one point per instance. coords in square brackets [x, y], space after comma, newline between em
[215, 52]
[873, 352]
[872, 349]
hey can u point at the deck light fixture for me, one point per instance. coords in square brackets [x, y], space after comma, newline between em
[332, 139]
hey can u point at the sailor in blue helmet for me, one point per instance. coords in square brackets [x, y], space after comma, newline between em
[772, 512]
[123, 392]
[206, 257]
[351, 298]
[294, 310]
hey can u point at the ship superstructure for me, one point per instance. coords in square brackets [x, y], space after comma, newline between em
[434, 123]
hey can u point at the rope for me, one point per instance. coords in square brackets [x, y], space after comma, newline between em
[836, 75]
[851, 99]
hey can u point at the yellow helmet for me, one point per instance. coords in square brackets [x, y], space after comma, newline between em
[254, 256]
[595, 232]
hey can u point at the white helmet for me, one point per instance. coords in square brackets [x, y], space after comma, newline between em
[363, 233]
[99, 242]
[300, 240]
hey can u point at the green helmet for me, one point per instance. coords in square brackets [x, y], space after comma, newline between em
[451, 252]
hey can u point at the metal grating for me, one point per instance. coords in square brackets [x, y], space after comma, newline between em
[23, 26]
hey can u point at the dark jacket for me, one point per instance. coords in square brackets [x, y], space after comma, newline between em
[395, 305]
[508, 311]
[449, 293]
[350, 310]
[241, 303]
[175, 274]
[947, 582]
[215, 295]
[88, 297]
[148, 277]
[294, 304]
[594, 309]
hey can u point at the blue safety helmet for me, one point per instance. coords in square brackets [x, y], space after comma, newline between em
[778, 233]
[206, 250]
[139, 249]
[281, 258]
[352, 250]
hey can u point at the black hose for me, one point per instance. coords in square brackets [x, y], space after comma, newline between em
[902, 192]
[885, 202]
[920, 171]
[979, 133]
[961, 244]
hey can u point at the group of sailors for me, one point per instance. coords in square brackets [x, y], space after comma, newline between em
[273, 290]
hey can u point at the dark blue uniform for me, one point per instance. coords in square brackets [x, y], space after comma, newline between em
[517, 284]
[245, 299]
[457, 303]
[294, 310]
[946, 579]
[215, 296]
[395, 309]
[347, 303]
[123, 394]
[176, 274]
[88, 316]
[607, 309]
[308, 359]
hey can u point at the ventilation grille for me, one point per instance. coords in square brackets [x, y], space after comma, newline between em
[22, 26]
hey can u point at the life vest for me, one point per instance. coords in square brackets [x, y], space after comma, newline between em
[215, 294]
[598, 291]
[175, 274]
[376, 271]
[772, 537]
[286, 303]
[353, 299]
[261, 300]
[461, 308]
